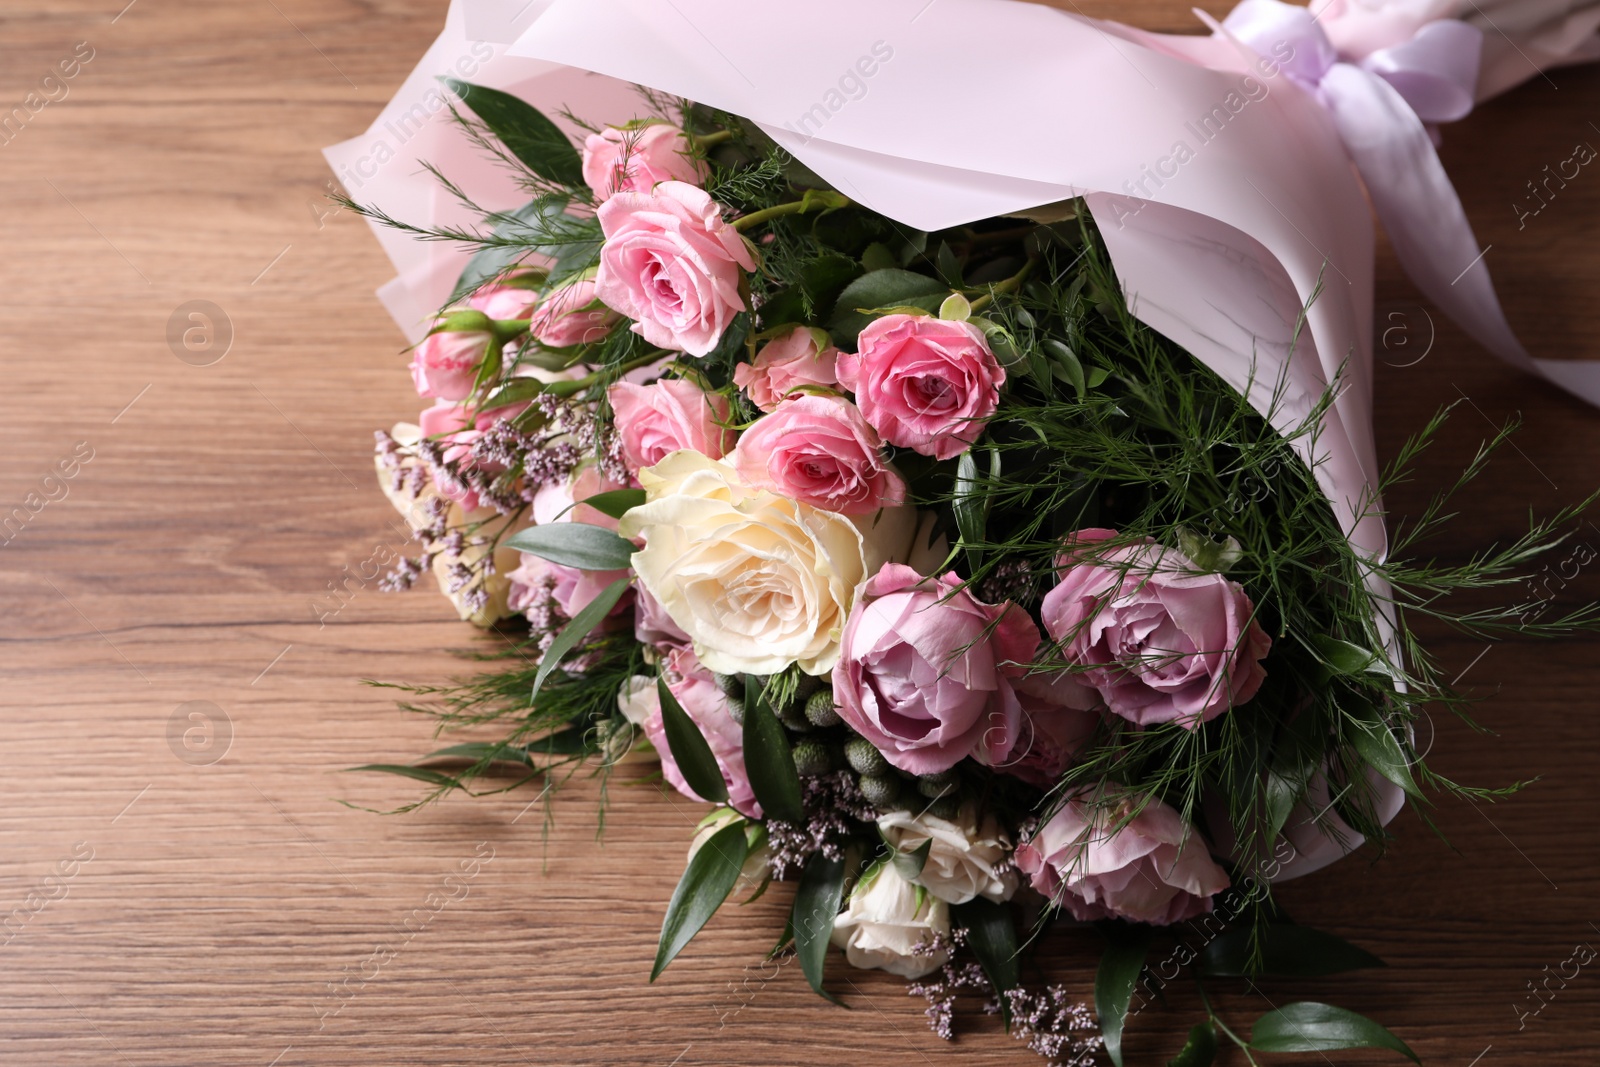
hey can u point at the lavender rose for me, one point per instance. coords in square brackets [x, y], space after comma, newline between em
[820, 451]
[673, 264]
[925, 384]
[1162, 641]
[696, 691]
[925, 671]
[1099, 863]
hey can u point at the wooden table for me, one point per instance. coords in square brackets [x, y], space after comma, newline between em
[207, 899]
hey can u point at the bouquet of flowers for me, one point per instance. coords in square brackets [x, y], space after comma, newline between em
[967, 600]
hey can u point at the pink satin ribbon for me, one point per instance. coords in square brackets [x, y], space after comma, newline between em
[1385, 107]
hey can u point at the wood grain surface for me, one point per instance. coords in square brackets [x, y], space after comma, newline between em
[205, 899]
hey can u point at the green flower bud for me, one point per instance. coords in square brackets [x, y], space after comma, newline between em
[866, 759]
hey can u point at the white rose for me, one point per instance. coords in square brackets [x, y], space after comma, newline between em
[963, 859]
[757, 581]
[637, 699]
[886, 919]
[756, 872]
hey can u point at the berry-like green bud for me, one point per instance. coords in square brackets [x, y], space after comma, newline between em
[820, 710]
[730, 684]
[812, 758]
[881, 793]
[866, 759]
[736, 709]
[945, 807]
[936, 785]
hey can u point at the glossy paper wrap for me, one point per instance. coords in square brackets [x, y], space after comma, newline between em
[1218, 168]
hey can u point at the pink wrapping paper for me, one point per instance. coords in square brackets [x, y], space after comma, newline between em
[983, 107]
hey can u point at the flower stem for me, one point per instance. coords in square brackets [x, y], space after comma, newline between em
[1009, 285]
[709, 140]
[813, 200]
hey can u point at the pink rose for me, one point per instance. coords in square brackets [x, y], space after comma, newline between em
[672, 263]
[1057, 722]
[558, 501]
[696, 691]
[445, 365]
[925, 384]
[1099, 864]
[667, 416]
[1163, 642]
[501, 301]
[926, 671]
[820, 451]
[571, 315]
[636, 160]
[798, 358]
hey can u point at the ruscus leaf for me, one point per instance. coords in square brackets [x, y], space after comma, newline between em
[1305, 1026]
[689, 749]
[769, 759]
[1114, 983]
[816, 905]
[525, 131]
[706, 883]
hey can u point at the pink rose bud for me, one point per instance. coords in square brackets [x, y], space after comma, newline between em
[820, 451]
[507, 298]
[636, 160]
[926, 671]
[455, 429]
[571, 315]
[445, 365]
[668, 416]
[674, 265]
[925, 384]
[801, 357]
[1097, 863]
[1162, 641]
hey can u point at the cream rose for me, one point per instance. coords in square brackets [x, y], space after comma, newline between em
[756, 580]
[966, 859]
[887, 919]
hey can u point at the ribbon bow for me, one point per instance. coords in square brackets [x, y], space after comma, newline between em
[1385, 108]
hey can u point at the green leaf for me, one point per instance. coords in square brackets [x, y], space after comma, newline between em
[878, 256]
[731, 341]
[526, 133]
[1295, 757]
[528, 230]
[1376, 743]
[768, 758]
[1199, 1050]
[881, 288]
[1308, 1027]
[971, 507]
[1286, 949]
[576, 630]
[421, 774]
[816, 905]
[516, 391]
[909, 864]
[615, 503]
[575, 544]
[706, 883]
[1066, 366]
[992, 933]
[1341, 657]
[689, 749]
[1115, 980]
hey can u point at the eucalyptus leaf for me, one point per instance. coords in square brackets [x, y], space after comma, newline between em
[1114, 983]
[909, 864]
[1286, 949]
[992, 933]
[525, 131]
[816, 906]
[1066, 365]
[1377, 744]
[616, 503]
[572, 633]
[706, 883]
[768, 758]
[1199, 1050]
[1309, 1027]
[1342, 657]
[575, 544]
[689, 749]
